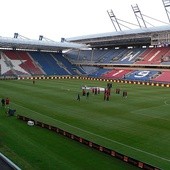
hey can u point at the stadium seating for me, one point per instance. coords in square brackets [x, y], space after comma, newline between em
[19, 63]
[76, 55]
[29, 64]
[153, 56]
[12, 64]
[142, 75]
[48, 63]
[22, 63]
[89, 69]
[163, 77]
[98, 73]
[116, 74]
[130, 56]
[113, 55]
[63, 62]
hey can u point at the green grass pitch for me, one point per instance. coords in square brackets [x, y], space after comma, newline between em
[137, 126]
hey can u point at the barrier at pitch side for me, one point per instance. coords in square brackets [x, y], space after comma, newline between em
[161, 84]
[91, 144]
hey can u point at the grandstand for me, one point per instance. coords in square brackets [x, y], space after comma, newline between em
[143, 51]
[141, 54]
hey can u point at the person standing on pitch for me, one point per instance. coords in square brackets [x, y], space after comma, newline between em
[87, 94]
[3, 102]
[78, 97]
[7, 102]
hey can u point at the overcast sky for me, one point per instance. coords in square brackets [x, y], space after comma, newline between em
[70, 18]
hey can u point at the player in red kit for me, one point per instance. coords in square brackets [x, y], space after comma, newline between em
[7, 101]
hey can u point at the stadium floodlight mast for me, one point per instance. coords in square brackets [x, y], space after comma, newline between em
[166, 4]
[142, 23]
[119, 22]
[114, 20]
[139, 16]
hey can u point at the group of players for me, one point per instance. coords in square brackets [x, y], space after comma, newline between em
[5, 102]
[106, 92]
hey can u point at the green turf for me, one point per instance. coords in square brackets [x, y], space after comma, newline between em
[137, 126]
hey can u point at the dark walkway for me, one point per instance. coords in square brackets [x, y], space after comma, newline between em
[4, 165]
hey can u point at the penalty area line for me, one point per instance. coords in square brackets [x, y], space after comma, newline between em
[119, 143]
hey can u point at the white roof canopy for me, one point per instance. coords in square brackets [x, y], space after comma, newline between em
[17, 43]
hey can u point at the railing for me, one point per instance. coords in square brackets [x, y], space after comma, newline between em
[8, 163]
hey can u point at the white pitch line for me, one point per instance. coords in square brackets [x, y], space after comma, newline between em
[122, 144]
[151, 116]
[166, 102]
[155, 117]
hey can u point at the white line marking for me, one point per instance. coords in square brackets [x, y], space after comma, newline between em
[122, 144]
[155, 117]
[166, 102]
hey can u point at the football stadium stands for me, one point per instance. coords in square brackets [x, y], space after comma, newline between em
[131, 55]
[163, 77]
[93, 63]
[141, 75]
[116, 74]
[153, 55]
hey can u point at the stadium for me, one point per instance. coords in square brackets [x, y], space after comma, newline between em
[97, 101]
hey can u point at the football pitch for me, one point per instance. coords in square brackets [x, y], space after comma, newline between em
[137, 126]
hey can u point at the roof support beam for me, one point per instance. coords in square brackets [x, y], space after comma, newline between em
[139, 16]
[166, 4]
[114, 20]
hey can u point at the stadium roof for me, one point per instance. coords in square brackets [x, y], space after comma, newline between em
[122, 33]
[140, 36]
[28, 44]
